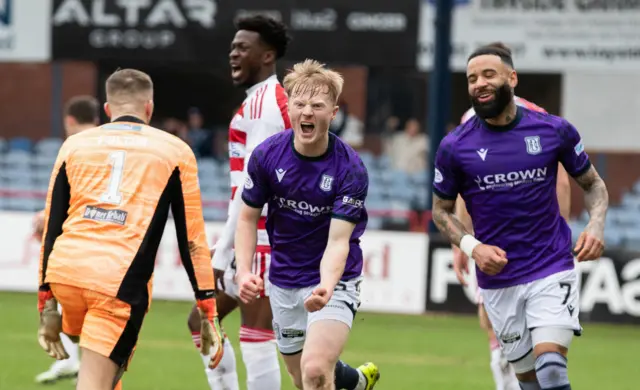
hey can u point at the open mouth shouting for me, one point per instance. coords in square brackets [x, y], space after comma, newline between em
[236, 70]
[307, 128]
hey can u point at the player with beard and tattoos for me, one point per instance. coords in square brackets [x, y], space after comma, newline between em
[503, 163]
[503, 374]
[259, 42]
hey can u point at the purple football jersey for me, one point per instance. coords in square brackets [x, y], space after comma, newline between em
[303, 195]
[507, 178]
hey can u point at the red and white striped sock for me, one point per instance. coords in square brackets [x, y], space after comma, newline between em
[255, 335]
[196, 339]
[260, 357]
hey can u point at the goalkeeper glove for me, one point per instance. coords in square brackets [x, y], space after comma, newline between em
[211, 335]
[50, 325]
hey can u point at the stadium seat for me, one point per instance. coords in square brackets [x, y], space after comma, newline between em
[420, 198]
[45, 162]
[3, 145]
[208, 166]
[401, 187]
[387, 175]
[620, 216]
[24, 204]
[223, 183]
[631, 200]
[42, 174]
[420, 178]
[16, 158]
[41, 186]
[367, 158]
[206, 190]
[48, 146]
[375, 194]
[375, 176]
[18, 173]
[20, 143]
[384, 162]
[223, 167]
[400, 179]
[612, 237]
[631, 237]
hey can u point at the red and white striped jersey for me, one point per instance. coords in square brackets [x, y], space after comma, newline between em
[519, 101]
[262, 114]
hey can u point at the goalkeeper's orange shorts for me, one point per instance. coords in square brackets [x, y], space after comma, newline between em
[105, 325]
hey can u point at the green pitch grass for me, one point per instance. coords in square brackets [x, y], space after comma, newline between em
[421, 352]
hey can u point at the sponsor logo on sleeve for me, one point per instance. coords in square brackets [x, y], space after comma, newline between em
[248, 183]
[437, 177]
[357, 203]
[579, 148]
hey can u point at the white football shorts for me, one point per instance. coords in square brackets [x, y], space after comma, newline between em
[291, 320]
[551, 302]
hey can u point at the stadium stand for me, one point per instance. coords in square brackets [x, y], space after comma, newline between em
[25, 168]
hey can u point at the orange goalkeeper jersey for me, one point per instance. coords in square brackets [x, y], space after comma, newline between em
[107, 205]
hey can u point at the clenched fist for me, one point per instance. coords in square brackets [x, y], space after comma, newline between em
[490, 259]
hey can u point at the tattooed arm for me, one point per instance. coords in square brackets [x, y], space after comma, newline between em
[575, 160]
[463, 214]
[595, 195]
[591, 242]
[444, 217]
[596, 199]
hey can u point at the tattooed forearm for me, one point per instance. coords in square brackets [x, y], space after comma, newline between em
[596, 197]
[444, 217]
[463, 215]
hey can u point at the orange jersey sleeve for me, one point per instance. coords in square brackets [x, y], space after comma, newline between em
[107, 207]
[190, 228]
[55, 211]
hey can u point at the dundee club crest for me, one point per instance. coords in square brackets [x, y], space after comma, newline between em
[533, 144]
[326, 183]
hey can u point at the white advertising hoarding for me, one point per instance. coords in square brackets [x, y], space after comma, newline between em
[550, 35]
[25, 30]
[395, 265]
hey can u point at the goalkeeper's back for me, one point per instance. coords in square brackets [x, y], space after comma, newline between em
[108, 203]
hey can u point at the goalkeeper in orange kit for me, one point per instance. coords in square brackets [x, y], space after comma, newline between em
[107, 205]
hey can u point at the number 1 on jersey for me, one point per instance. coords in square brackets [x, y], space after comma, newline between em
[113, 195]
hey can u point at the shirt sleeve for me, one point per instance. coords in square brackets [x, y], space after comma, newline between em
[256, 191]
[351, 195]
[572, 154]
[446, 175]
[186, 207]
[55, 212]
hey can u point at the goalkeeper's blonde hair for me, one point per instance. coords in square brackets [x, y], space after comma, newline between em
[311, 75]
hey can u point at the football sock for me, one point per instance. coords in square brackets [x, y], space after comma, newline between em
[260, 357]
[551, 371]
[224, 376]
[347, 377]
